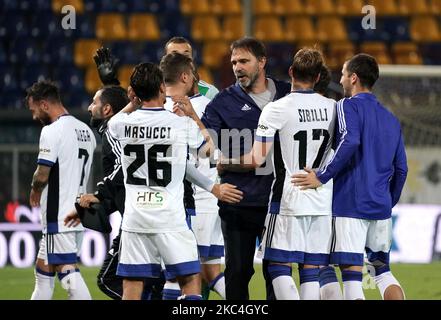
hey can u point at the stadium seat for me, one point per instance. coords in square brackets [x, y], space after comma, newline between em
[233, 28]
[319, 7]
[406, 53]
[262, 7]
[69, 77]
[30, 74]
[84, 51]
[205, 74]
[25, 50]
[349, 7]
[397, 28]
[226, 7]
[378, 50]
[45, 24]
[58, 51]
[425, 29]
[13, 25]
[124, 74]
[8, 78]
[213, 53]
[299, 29]
[92, 80]
[269, 28]
[143, 27]
[385, 7]
[288, 7]
[205, 28]
[331, 29]
[86, 26]
[339, 53]
[57, 5]
[435, 7]
[412, 7]
[110, 26]
[194, 7]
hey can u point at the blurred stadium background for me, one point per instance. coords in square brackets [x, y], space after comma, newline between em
[406, 41]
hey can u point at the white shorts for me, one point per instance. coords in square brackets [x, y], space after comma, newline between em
[297, 239]
[140, 254]
[208, 233]
[60, 248]
[351, 237]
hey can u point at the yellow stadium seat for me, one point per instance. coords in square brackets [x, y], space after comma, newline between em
[110, 26]
[194, 7]
[124, 74]
[425, 29]
[319, 7]
[268, 28]
[205, 28]
[143, 27]
[378, 50]
[57, 5]
[349, 7]
[262, 7]
[226, 7]
[233, 28]
[92, 80]
[299, 29]
[84, 51]
[331, 29]
[435, 7]
[205, 74]
[384, 7]
[413, 7]
[339, 53]
[213, 53]
[406, 53]
[288, 7]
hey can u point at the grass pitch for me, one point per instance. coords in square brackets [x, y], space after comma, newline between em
[420, 282]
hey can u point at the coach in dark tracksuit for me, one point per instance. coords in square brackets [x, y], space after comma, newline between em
[239, 107]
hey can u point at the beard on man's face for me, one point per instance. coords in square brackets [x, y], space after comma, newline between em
[44, 119]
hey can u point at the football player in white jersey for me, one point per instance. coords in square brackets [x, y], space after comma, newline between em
[298, 224]
[183, 46]
[154, 229]
[64, 161]
[180, 80]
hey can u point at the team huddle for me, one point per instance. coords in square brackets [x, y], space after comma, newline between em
[314, 180]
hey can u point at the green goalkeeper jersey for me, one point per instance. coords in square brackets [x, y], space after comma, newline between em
[207, 90]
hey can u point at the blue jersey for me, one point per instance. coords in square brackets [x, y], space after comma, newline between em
[369, 166]
[233, 110]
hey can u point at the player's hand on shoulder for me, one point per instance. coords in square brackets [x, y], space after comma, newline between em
[72, 219]
[183, 104]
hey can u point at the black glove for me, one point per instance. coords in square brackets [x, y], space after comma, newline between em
[107, 66]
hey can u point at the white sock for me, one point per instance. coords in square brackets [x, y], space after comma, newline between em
[285, 288]
[331, 291]
[385, 280]
[310, 291]
[75, 286]
[218, 285]
[171, 291]
[44, 285]
[352, 285]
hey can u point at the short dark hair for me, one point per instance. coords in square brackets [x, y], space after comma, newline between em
[146, 80]
[307, 64]
[43, 90]
[256, 47]
[325, 79]
[173, 65]
[366, 69]
[115, 96]
[177, 40]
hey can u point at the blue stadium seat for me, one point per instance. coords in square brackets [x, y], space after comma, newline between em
[85, 26]
[397, 28]
[173, 24]
[150, 51]
[45, 24]
[358, 34]
[58, 51]
[76, 99]
[3, 55]
[25, 49]
[13, 24]
[31, 73]
[69, 77]
[12, 99]
[8, 78]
